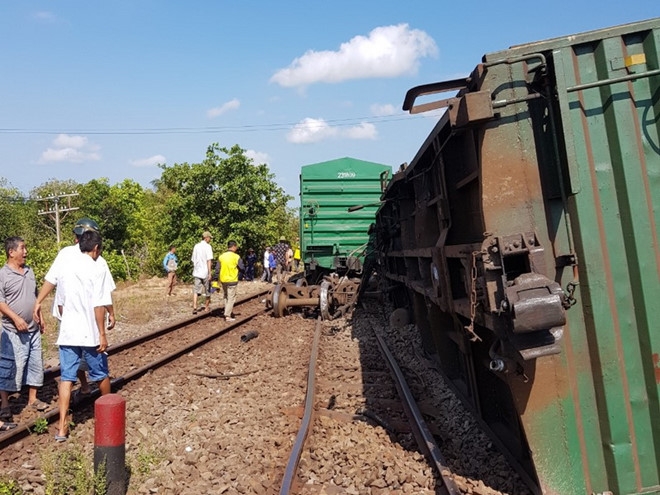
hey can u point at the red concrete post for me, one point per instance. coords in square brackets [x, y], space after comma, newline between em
[110, 441]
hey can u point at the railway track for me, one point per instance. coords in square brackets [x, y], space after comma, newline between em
[350, 393]
[225, 416]
[131, 359]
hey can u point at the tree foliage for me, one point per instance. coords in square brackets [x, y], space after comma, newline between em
[227, 194]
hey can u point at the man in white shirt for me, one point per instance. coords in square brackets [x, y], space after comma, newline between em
[82, 327]
[65, 259]
[202, 257]
[265, 277]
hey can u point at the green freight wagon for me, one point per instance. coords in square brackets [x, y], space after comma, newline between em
[332, 238]
[524, 236]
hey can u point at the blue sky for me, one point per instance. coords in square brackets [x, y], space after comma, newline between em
[109, 89]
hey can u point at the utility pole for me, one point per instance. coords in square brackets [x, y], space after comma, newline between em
[54, 207]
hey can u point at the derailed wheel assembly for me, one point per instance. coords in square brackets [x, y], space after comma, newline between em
[333, 298]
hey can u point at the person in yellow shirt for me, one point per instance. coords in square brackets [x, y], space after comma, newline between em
[296, 256]
[230, 265]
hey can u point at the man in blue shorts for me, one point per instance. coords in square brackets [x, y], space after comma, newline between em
[82, 329]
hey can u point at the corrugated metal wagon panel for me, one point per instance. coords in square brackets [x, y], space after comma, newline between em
[530, 217]
[327, 190]
[609, 92]
[608, 87]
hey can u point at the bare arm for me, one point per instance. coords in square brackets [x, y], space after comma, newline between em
[99, 314]
[36, 312]
[111, 316]
[20, 324]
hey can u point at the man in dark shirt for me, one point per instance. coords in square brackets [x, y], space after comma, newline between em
[280, 252]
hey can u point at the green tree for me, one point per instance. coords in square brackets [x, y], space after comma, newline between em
[126, 222]
[19, 217]
[14, 211]
[227, 194]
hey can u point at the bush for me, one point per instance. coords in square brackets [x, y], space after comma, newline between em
[10, 487]
[122, 267]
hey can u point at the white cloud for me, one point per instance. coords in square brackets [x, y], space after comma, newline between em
[71, 149]
[258, 157]
[66, 141]
[44, 16]
[388, 51]
[225, 107]
[310, 131]
[383, 110]
[365, 130]
[314, 130]
[152, 161]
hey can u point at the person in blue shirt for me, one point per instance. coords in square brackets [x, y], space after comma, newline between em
[272, 264]
[170, 264]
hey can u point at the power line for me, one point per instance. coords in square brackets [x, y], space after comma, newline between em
[214, 129]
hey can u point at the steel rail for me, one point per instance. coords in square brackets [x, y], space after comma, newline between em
[422, 433]
[52, 372]
[24, 429]
[294, 458]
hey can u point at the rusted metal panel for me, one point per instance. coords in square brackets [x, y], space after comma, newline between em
[545, 175]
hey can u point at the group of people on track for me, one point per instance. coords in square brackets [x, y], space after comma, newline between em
[84, 310]
[229, 269]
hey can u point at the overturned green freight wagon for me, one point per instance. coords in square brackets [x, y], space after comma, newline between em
[332, 238]
[524, 238]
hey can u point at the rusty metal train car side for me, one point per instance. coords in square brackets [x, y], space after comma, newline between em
[523, 236]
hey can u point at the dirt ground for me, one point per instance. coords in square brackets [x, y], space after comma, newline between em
[188, 432]
[144, 306]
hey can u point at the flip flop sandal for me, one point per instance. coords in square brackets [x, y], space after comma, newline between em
[7, 426]
[38, 405]
[5, 413]
[61, 438]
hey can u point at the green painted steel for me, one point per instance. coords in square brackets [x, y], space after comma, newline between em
[327, 190]
[600, 432]
[550, 151]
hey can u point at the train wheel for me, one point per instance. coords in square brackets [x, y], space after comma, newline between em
[280, 298]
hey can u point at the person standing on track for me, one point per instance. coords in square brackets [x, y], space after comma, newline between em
[280, 251]
[82, 328]
[272, 263]
[296, 257]
[170, 264]
[65, 260]
[21, 360]
[265, 276]
[202, 257]
[250, 261]
[230, 266]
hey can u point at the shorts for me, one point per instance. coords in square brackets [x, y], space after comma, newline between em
[70, 357]
[21, 362]
[202, 286]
